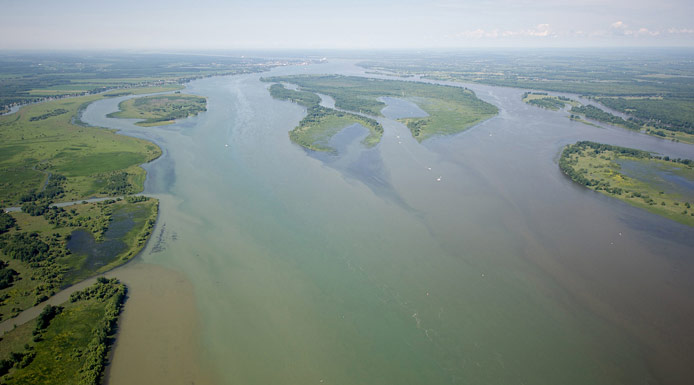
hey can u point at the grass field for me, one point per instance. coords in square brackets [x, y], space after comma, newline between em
[73, 347]
[36, 142]
[58, 267]
[157, 110]
[450, 109]
[603, 168]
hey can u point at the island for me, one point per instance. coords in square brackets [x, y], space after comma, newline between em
[321, 123]
[543, 100]
[158, 110]
[450, 109]
[637, 177]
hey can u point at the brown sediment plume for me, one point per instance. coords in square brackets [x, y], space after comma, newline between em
[157, 341]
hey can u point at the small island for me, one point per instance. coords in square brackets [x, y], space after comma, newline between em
[657, 184]
[544, 100]
[321, 123]
[158, 110]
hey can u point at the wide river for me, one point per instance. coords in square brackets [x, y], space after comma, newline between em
[466, 259]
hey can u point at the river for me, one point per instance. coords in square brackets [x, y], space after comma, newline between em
[464, 259]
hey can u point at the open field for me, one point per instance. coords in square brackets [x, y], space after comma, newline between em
[157, 110]
[42, 139]
[607, 169]
[68, 344]
[450, 109]
[66, 245]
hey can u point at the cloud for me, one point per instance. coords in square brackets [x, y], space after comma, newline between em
[618, 25]
[619, 28]
[680, 31]
[541, 30]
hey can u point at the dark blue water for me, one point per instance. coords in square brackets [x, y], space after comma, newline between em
[102, 253]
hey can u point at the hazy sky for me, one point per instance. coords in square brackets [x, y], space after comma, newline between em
[273, 24]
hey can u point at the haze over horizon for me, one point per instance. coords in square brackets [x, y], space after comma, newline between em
[354, 24]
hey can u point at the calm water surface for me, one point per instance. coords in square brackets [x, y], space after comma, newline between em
[464, 259]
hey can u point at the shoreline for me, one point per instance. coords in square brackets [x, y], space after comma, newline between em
[157, 295]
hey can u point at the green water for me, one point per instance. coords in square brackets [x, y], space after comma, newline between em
[364, 269]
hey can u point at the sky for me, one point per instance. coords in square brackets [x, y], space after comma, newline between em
[347, 24]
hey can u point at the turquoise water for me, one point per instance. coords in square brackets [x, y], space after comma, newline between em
[465, 259]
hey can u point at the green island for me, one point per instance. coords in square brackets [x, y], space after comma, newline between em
[634, 176]
[157, 110]
[451, 109]
[49, 249]
[595, 113]
[321, 123]
[655, 92]
[543, 100]
[67, 344]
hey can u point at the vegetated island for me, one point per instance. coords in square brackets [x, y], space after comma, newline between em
[158, 110]
[450, 109]
[321, 123]
[543, 100]
[67, 344]
[634, 176]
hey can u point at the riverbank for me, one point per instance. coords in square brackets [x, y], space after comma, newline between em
[158, 339]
